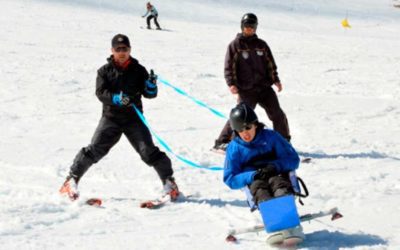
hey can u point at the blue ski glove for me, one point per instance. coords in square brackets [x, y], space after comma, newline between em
[150, 89]
[121, 100]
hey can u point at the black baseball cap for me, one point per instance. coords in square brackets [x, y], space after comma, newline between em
[120, 39]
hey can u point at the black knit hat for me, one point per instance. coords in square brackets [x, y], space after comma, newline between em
[120, 39]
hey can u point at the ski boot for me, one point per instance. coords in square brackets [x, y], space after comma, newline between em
[70, 188]
[148, 27]
[220, 146]
[170, 188]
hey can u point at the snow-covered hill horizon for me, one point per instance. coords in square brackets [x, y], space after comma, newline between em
[341, 92]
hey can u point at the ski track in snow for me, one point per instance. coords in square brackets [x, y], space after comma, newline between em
[341, 92]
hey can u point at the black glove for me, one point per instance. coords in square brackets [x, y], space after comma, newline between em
[152, 77]
[265, 173]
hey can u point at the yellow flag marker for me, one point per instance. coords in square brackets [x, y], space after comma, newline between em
[345, 23]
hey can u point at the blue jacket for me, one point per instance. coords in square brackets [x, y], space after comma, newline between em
[268, 147]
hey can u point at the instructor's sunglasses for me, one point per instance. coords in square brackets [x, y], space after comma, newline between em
[121, 49]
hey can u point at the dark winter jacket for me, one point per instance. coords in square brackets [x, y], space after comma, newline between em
[132, 81]
[244, 158]
[249, 63]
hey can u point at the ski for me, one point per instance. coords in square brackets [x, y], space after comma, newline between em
[95, 202]
[160, 202]
[161, 29]
[307, 217]
[144, 28]
[286, 238]
[155, 204]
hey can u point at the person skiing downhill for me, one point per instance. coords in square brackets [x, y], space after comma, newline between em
[153, 14]
[250, 72]
[120, 84]
[259, 160]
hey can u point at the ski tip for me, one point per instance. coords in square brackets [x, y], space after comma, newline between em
[151, 204]
[336, 216]
[94, 202]
[146, 204]
[231, 238]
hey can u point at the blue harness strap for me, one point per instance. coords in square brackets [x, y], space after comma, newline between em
[197, 101]
[168, 148]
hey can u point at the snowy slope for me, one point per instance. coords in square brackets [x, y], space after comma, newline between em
[341, 92]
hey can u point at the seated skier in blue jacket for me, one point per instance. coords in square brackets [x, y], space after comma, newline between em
[258, 158]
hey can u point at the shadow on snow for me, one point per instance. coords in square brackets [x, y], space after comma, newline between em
[335, 240]
[217, 202]
[371, 155]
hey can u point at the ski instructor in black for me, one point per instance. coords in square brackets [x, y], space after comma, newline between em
[120, 84]
[250, 72]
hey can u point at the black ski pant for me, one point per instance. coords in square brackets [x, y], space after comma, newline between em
[276, 186]
[268, 100]
[108, 134]
[155, 21]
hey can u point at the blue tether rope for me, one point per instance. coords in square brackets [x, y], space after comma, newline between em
[165, 145]
[198, 102]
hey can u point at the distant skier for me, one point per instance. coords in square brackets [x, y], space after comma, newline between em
[250, 72]
[120, 84]
[153, 14]
[260, 160]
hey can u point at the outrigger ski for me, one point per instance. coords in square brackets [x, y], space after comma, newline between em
[334, 213]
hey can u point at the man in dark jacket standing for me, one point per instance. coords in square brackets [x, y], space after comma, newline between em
[120, 84]
[250, 72]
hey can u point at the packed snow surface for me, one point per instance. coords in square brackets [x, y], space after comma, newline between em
[341, 95]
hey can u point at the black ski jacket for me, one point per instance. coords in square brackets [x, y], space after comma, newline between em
[132, 81]
[249, 63]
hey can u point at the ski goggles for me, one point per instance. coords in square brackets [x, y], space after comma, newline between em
[245, 128]
[250, 25]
